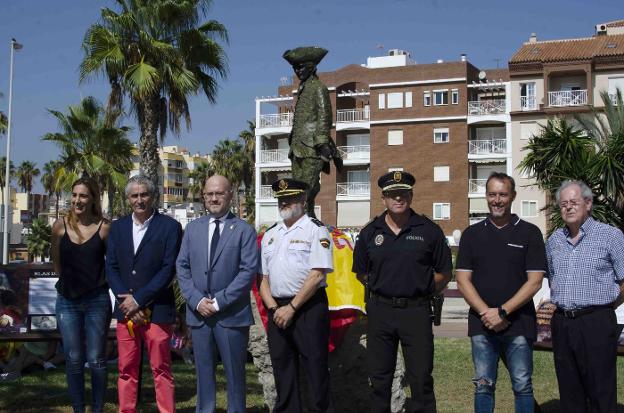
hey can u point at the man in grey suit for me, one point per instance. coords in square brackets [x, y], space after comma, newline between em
[215, 269]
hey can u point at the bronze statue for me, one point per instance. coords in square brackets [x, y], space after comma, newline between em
[311, 146]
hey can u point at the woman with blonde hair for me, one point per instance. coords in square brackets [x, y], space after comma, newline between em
[83, 307]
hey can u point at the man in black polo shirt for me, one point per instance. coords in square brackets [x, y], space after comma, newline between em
[403, 258]
[500, 266]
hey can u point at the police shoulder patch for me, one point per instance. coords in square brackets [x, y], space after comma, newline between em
[317, 222]
[325, 243]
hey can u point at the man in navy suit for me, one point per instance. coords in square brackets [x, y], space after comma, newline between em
[216, 268]
[140, 265]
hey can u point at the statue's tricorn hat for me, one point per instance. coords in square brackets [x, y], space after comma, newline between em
[288, 187]
[311, 54]
[396, 180]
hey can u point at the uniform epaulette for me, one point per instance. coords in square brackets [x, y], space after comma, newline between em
[317, 222]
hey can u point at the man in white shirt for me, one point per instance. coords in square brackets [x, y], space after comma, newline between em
[140, 265]
[215, 269]
[296, 256]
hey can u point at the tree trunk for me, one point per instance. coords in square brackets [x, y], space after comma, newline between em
[148, 143]
[58, 195]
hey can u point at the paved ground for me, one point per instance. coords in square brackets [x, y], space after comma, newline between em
[454, 319]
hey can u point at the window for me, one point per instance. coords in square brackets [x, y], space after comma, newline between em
[427, 98]
[440, 135]
[395, 100]
[528, 130]
[408, 99]
[441, 211]
[441, 173]
[615, 83]
[527, 96]
[455, 97]
[529, 209]
[382, 101]
[440, 97]
[395, 137]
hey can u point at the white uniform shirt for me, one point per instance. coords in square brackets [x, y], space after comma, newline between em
[288, 255]
[139, 230]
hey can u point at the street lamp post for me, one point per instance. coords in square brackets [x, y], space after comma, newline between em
[5, 244]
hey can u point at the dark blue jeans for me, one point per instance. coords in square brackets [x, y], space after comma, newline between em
[518, 353]
[83, 323]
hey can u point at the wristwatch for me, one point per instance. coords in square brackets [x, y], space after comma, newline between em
[502, 313]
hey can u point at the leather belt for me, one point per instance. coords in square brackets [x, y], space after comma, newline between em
[400, 302]
[578, 312]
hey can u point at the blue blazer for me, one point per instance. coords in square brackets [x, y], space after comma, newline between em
[149, 272]
[228, 279]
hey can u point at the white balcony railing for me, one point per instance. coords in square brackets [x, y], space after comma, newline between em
[528, 102]
[265, 192]
[476, 186]
[567, 98]
[354, 153]
[274, 155]
[353, 115]
[486, 107]
[613, 97]
[353, 189]
[487, 146]
[275, 120]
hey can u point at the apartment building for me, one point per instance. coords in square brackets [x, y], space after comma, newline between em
[173, 176]
[559, 78]
[447, 123]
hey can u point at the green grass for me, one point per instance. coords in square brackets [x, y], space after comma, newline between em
[46, 391]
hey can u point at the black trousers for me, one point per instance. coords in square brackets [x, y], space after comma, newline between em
[585, 350]
[306, 340]
[411, 326]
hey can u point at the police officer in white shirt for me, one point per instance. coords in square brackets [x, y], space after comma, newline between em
[296, 256]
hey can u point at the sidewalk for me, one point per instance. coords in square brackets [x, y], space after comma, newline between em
[454, 318]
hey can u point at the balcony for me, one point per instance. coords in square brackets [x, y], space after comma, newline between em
[487, 147]
[613, 97]
[276, 120]
[486, 107]
[565, 98]
[274, 156]
[528, 102]
[355, 153]
[353, 115]
[476, 186]
[353, 189]
[266, 192]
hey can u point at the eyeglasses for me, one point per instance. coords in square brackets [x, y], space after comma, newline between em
[573, 203]
[208, 195]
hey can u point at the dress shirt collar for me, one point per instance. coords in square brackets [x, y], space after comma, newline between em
[583, 230]
[299, 223]
[140, 225]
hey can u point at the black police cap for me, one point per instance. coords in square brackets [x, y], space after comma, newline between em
[396, 180]
[288, 187]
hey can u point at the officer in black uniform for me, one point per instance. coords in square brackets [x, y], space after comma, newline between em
[403, 258]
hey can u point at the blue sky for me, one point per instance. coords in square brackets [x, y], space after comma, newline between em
[46, 69]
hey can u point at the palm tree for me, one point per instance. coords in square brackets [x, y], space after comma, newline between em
[3, 121]
[199, 174]
[228, 158]
[158, 53]
[38, 240]
[51, 183]
[593, 153]
[248, 138]
[26, 172]
[2, 174]
[90, 146]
